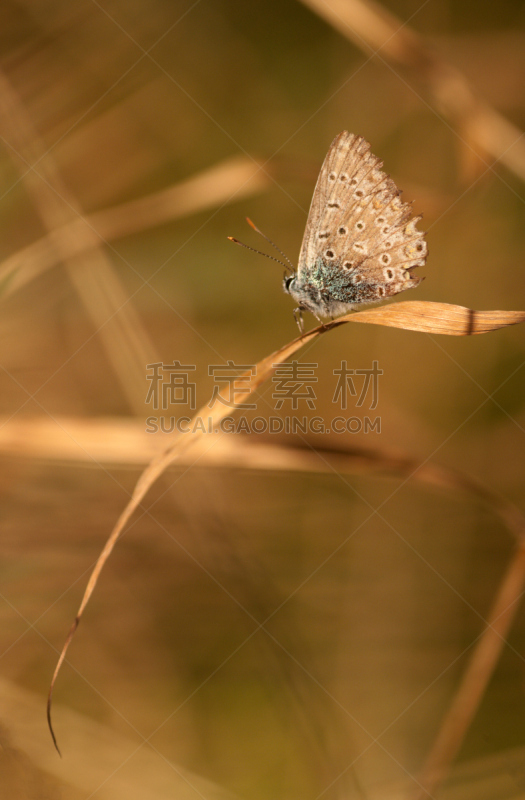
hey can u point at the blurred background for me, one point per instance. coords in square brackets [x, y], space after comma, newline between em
[286, 616]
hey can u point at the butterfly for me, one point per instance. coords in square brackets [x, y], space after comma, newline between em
[360, 243]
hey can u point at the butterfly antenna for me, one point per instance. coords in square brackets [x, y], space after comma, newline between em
[256, 229]
[260, 252]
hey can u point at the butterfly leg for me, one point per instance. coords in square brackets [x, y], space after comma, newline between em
[298, 317]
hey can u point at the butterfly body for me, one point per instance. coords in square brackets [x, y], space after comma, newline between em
[361, 241]
[323, 289]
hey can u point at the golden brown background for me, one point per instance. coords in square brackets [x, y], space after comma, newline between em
[273, 626]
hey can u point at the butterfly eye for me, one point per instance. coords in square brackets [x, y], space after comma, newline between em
[333, 205]
[323, 235]
[343, 177]
[330, 254]
[386, 259]
[342, 231]
[389, 274]
[332, 176]
[360, 225]
[420, 247]
[347, 264]
[359, 193]
[353, 182]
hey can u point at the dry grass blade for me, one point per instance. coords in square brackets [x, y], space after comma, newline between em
[244, 386]
[222, 183]
[227, 181]
[370, 26]
[475, 679]
[419, 316]
[487, 650]
[443, 318]
[361, 461]
[120, 441]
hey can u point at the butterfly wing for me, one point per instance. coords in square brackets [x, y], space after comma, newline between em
[359, 228]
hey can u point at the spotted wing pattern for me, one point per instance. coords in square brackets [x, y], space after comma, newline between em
[359, 233]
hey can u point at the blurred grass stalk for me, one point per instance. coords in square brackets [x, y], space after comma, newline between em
[126, 342]
[78, 241]
[479, 127]
[225, 182]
